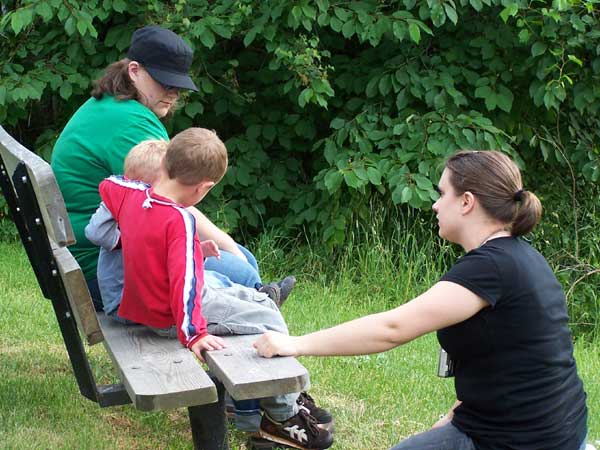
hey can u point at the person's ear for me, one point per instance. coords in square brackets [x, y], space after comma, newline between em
[205, 186]
[133, 69]
[468, 202]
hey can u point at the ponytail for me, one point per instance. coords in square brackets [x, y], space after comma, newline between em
[528, 214]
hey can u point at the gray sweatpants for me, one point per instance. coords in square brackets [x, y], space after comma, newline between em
[242, 310]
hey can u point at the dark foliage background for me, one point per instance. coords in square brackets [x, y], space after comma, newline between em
[335, 111]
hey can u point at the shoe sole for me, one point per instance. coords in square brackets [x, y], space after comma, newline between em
[257, 443]
[280, 440]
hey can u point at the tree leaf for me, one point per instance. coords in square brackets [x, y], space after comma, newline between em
[438, 17]
[351, 179]
[330, 151]
[490, 102]
[341, 14]
[119, 5]
[423, 182]
[385, 85]
[66, 90]
[193, 109]
[407, 194]
[575, 59]
[337, 123]
[208, 38]
[538, 48]
[476, 4]
[44, 10]
[504, 98]
[414, 32]
[250, 36]
[372, 86]
[483, 92]
[374, 176]
[349, 29]
[253, 132]
[70, 26]
[304, 97]
[361, 173]
[336, 24]
[510, 11]
[16, 22]
[82, 27]
[451, 13]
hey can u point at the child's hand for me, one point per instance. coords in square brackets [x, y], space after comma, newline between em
[272, 344]
[208, 343]
[210, 248]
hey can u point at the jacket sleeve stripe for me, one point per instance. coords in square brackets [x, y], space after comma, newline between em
[189, 286]
[132, 184]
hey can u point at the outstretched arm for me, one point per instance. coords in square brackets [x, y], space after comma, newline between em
[444, 304]
[209, 231]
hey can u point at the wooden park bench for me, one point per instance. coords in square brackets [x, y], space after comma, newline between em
[156, 373]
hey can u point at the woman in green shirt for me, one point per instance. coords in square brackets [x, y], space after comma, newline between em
[126, 106]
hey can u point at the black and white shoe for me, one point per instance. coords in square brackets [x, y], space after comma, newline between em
[299, 431]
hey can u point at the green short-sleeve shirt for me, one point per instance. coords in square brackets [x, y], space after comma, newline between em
[93, 146]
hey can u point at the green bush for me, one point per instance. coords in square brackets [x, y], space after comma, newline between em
[328, 108]
[324, 104]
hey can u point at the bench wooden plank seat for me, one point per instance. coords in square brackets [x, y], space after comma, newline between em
[156, 373]
[261, 377]
[159, 373]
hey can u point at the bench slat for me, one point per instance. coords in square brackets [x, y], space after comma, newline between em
[44, 184]
[246, 375]
[158, 373]
[58, 229]
[78, 295]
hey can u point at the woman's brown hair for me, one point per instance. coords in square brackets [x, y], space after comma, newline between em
[495, 180]
[116, 82]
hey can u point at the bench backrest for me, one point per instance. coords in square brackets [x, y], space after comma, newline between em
[39, 212]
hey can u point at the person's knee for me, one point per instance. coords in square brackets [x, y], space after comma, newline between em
[234, 268]
[249, 256]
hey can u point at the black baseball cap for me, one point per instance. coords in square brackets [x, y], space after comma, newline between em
[164, 55]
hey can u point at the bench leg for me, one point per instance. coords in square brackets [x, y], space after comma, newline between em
[209, 424]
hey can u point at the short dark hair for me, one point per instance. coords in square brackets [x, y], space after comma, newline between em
[495, 180]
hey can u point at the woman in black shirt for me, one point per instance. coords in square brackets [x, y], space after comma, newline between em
[499, 312]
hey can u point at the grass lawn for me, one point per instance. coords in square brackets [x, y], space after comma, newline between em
[376, 400]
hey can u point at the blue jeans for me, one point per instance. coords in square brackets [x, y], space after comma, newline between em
[447, 437]
[95, 294]
[234, 268]
[229, 269]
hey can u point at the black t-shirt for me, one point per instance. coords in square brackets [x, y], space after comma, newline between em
[514, 366]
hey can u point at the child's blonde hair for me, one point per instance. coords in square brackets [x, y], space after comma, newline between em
[196, 155]
[143, 160]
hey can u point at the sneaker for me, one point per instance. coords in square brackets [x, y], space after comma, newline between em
[299, 431]
[257, 443]
[279, 291]
[322, 416]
